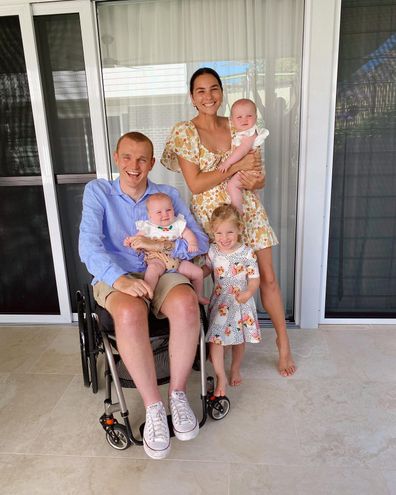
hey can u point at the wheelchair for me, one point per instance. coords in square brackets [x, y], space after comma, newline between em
[97, 336]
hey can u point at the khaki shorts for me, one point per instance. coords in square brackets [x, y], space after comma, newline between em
[166, 282]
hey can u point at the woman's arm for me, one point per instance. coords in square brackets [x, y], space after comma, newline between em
[199, 181]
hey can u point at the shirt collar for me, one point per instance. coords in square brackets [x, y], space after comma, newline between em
[152, 188]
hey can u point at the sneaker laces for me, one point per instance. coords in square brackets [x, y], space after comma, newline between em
[182, 410]
[157, 423]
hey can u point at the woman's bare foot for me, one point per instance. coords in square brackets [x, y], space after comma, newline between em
[235, 378]
[221, 386]
[286, 365]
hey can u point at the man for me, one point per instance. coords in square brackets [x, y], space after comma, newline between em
[110, 210]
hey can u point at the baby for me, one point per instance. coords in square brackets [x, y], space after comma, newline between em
[247, 137]
[162, 224]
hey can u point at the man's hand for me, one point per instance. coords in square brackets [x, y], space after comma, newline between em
[134, 287]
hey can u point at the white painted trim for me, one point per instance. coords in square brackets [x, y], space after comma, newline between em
[316, 110]
[34, 320]
[358, 321]
[298, 289]
[329, 175]
[90, 37]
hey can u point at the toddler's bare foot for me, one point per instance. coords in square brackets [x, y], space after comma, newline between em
[235, 378]
[286, 365]
[221, 386]
[203, 300]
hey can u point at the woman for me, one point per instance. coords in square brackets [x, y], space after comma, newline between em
[196, 148]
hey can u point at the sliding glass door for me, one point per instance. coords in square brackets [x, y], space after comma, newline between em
[361, 272]
[149, 50]
[51, 134]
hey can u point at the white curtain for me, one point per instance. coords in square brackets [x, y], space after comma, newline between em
[150, 49]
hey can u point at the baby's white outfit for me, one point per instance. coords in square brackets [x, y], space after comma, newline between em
[171, 232]
[262, 134]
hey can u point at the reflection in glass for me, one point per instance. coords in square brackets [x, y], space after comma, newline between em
[27, 281]
[65, 92]
[361, 275]
[70, 203]
[18, 148]
[67, 110]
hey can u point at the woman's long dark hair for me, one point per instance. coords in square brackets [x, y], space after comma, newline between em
[204, 70]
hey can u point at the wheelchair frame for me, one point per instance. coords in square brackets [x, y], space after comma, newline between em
[96, 338]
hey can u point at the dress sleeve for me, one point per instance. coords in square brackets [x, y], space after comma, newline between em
[184, 142]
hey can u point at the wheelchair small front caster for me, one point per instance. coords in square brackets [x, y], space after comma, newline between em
[117, 437]
[218, 407]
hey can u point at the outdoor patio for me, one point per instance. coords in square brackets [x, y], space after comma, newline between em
[330, 429]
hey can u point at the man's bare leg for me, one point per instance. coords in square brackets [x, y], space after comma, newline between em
[181, 308]
[131, 325]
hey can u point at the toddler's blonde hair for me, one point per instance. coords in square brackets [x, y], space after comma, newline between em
[223, 213]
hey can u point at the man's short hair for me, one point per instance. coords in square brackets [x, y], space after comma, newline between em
[138, 137]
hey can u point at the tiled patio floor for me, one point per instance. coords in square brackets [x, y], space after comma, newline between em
[330, 429]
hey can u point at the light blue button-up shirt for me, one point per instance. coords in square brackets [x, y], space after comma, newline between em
[109, 215]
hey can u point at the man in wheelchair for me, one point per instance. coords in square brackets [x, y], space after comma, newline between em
[110, 210]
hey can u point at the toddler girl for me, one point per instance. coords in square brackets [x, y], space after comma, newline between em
[162, 224]
[232, 310]
[247, 137]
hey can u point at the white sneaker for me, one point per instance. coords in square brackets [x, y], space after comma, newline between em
[185, 424]
[156, 439]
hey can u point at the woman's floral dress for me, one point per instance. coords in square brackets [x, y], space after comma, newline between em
[184, 141]
[230, 322]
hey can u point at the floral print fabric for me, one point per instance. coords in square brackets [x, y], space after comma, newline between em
[184, 141]
[230, 322]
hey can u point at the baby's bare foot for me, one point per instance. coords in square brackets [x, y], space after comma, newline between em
[203, 300]
[286, 365]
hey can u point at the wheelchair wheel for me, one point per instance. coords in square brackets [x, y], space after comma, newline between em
[82, 329]
[91, 339]
[117, 437]
[218, 407]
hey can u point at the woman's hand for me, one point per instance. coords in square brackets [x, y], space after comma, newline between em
[251, 161]
[251, 179]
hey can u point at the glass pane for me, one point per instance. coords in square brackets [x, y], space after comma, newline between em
[18, 148]
[27, 282]
[65, 91]
[70, 203]
[361, 276]
[256, 48]
[66, 99]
